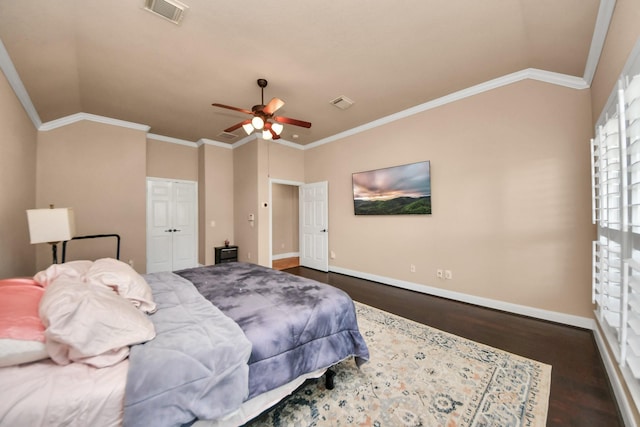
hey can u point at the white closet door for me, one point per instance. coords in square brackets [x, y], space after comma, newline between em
[172, 235]
[184, 225]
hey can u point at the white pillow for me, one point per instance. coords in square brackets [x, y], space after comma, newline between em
[69, 270]
[15, 352]
[117, 275]
[90, 324]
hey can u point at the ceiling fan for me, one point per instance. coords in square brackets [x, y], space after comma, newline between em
[262, 114]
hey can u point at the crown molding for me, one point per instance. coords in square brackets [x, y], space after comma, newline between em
[205, 141]
[572, 82]
[286, 143]
[172, 140]
[603, 21]
[244, 140]
[10, 72]
[529, 73]
[74, 118]
[249, 139]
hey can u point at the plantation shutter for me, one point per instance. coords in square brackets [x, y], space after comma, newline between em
[615, 151]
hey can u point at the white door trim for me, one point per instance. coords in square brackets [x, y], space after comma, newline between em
[270, 201]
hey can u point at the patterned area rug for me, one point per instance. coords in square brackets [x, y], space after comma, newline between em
[420, 376]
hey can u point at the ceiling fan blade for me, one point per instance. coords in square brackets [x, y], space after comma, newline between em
[237, 126]
[242, 110]
[290, 121]
[274, 105]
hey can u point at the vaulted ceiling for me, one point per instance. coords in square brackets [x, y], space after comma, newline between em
[115, 59]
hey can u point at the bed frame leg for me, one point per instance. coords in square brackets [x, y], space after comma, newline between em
[328, 378]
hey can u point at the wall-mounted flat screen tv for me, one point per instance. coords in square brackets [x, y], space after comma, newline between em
[398, 190]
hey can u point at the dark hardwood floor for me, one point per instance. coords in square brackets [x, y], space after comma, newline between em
[581, 395]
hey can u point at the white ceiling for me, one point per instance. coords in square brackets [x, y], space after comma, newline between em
[114, 59]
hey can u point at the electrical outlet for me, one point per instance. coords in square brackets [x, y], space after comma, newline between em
[440, 273]
[131, 262]
[249, 255]
[333, 255]
[448, 274]
[412, 268]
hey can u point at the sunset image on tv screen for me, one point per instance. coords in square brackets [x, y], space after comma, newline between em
[399, 190]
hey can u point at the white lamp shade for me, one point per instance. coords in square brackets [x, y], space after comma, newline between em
[51, 225]
[248, 128]
[257, 122]
[266, 134]
[277, 128]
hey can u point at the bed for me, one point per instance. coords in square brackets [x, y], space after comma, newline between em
[229, 341]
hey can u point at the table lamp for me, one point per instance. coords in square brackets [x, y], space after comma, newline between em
[51, 226]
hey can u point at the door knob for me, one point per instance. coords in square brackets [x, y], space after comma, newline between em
[324, 230]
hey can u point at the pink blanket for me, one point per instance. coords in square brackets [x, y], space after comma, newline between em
[19, 320]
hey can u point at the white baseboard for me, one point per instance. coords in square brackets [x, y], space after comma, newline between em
[287, 255]
[553, 316]
[616, 384]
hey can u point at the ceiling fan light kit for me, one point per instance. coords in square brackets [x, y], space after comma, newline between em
[262, 114]
[248, 128]
[257, 122]
[277, 127]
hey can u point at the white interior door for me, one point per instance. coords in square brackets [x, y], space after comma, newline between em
[184, 225]
[159, 237]
[172, 234]
[314, 225]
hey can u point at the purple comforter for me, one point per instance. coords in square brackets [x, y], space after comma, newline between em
[196, 367]
[296, 325]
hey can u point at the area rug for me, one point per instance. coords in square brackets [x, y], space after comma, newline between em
[420, 376]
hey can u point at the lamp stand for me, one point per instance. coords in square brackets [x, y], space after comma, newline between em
[54, 251]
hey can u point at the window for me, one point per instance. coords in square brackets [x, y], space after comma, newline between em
[615, 151]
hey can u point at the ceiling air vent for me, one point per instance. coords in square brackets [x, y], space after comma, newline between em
[169, 9]
[227, 135]
[342, 102]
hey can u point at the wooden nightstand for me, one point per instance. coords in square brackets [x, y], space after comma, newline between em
[226, 254]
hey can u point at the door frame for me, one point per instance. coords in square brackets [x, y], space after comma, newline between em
[195, 212]
[270, 201]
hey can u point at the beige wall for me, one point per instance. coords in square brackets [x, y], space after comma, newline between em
[510, 197]
[173, 161]
[284, 208]
[216, 201]
[245, 201]
[99, 171]
[17, 174]
[280, 162]
[621, 38]
[255, 164]
[285, 163]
